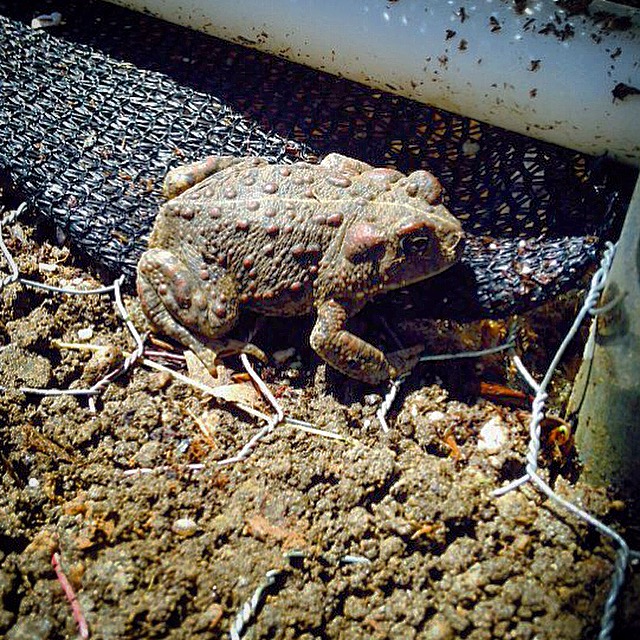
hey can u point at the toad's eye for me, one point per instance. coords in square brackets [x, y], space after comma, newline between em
[416, 244]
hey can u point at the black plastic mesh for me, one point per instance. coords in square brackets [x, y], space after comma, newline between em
[87, 139]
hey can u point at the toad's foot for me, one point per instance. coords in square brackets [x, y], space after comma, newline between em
[354, 356]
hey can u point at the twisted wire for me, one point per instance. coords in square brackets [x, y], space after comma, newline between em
[621, 562]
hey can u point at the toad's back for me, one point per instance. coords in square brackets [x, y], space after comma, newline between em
[271, 226]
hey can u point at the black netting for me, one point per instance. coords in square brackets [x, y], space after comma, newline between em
[87, 139]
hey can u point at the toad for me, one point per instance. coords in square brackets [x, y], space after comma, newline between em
[285, 240]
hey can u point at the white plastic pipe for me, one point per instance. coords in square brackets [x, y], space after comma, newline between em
[569, 80]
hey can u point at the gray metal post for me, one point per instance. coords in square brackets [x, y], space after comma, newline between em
[606, 393]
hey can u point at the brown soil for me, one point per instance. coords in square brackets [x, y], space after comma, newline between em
[176, 552]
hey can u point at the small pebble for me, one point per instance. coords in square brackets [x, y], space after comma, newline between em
[85, 334]
[493, 436]
[434, 416]
[184, 527]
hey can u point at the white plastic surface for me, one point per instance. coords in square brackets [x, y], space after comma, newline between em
[537, 72]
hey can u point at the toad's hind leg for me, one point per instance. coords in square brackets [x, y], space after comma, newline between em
[185, 308]
[186, 176]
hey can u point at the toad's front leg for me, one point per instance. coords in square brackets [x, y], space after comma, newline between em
[354, 356]
[193, 308]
